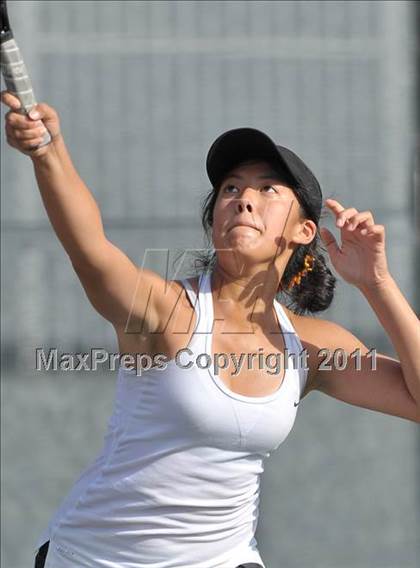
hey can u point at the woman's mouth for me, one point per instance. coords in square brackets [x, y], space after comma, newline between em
[244, 226]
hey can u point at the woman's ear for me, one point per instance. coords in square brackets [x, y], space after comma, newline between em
[305, 232]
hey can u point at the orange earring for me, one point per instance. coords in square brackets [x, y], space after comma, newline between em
[308, 264]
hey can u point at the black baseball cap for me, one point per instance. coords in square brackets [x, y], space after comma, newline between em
[242, 144]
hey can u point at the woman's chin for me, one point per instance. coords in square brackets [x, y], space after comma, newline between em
[243, 244]
[246, 238]
[243, 251]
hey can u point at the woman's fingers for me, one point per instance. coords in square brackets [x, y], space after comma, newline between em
[20, 121]
[27, 133]
[24, 145]
[377, 231]
[10, 100]
[341, 214]
[22, 136]
[345, 216]
[350, 218]
[363, 220]
[25, 139]
[334, 205]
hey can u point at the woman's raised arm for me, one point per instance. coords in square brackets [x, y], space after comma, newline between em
[391, 386]
[110, 279]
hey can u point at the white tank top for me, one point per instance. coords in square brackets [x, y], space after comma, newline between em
[177, 481]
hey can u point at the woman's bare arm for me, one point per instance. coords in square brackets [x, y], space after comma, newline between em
[346, 369]
[111, 280]
[394, 386]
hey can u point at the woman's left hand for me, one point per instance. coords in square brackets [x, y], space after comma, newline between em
[361, 259]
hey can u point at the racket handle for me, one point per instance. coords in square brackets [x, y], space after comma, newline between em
[17, 80]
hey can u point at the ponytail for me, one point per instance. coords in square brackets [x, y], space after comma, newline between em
[315, 292]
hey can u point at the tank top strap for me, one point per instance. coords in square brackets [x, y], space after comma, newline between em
[198, 301]
[206, 303]
[293, 343]
[190, 291]
[287, 326]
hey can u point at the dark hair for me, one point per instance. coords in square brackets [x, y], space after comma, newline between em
[316, 290]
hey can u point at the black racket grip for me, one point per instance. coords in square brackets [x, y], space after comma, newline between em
[17, 80]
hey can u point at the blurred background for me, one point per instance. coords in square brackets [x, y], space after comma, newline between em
[143, 89]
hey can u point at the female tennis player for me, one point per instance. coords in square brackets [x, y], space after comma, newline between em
[177, 481]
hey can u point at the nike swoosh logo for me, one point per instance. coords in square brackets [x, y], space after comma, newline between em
[296, 403]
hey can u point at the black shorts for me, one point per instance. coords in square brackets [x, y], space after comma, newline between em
[42, 555]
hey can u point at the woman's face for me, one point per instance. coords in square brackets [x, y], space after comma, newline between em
[257, 217]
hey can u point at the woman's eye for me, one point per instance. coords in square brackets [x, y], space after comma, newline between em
[233, 189]
[228, 187]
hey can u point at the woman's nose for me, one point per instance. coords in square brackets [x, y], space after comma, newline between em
[244, 203]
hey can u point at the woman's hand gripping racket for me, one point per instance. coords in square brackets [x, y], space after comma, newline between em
[17, 82]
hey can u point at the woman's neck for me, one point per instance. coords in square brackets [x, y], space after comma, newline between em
[248, 296]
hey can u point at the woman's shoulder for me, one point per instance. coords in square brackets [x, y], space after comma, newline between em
[316, 335]
[312, 328]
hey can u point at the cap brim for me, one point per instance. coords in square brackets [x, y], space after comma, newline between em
[239, 145]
